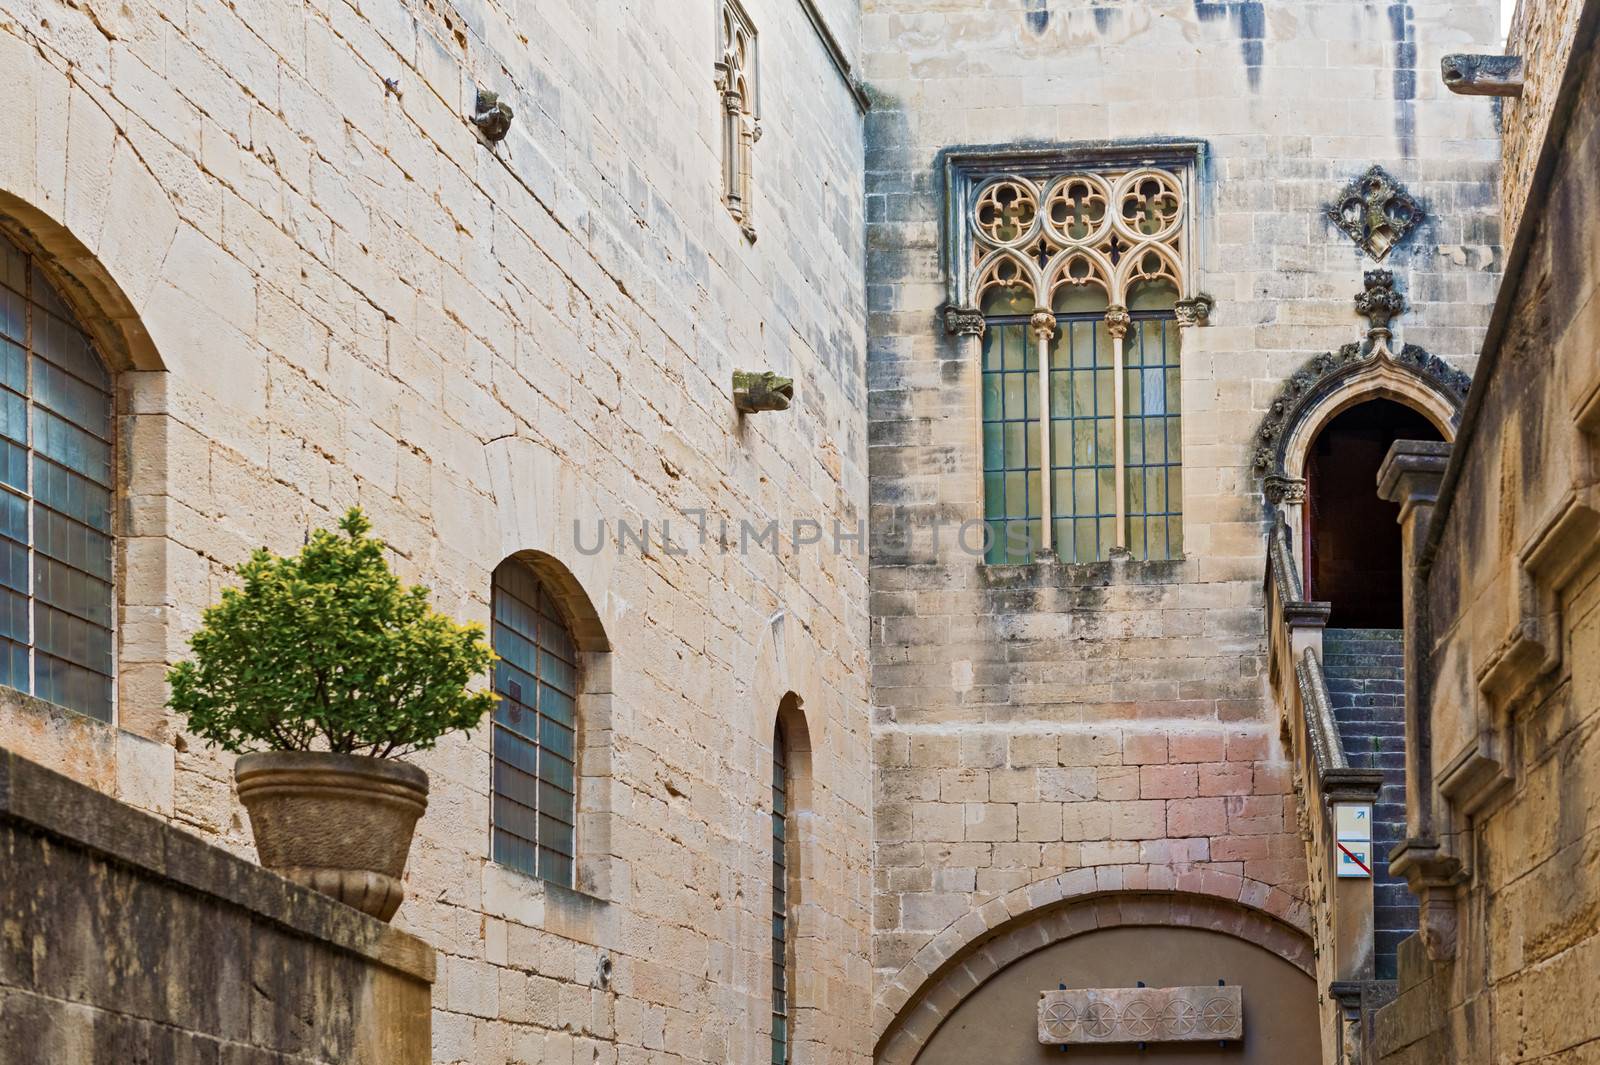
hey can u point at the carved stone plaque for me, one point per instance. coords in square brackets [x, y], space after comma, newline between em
[1141, 1015]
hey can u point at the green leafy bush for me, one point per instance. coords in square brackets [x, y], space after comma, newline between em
[328, 650]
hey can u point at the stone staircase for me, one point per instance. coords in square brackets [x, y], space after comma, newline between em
[1365, 670]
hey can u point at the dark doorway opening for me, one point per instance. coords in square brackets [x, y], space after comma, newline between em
[1352, 534]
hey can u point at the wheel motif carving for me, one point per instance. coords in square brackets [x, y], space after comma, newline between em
[1179, 1017]
[1139, 1018]
[1060, 1019]
[1217, 1015]
[1099, 1019]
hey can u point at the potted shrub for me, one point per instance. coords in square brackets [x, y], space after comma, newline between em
[322, 669]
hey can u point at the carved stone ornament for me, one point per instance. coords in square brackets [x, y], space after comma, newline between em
[1117, 321]
[1330, 370]
[964, 321]
[1280, 489]
[1378, 302]
[1482, 75]
[1141, 1015]
[492, 116]
[1196, 310]
[756, 392]
[1109, 232]
[1376, 212]
[1043, 324]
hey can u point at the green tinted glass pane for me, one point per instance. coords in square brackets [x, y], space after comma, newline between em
[992, 407]
[993, 447]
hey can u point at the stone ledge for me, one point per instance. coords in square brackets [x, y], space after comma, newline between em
[48, 804]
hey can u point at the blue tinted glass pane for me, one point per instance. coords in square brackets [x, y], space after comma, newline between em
[66, 541]
[77, 401]
[13, 366]
[71, 447]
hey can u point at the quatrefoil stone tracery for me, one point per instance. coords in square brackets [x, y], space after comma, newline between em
[1079, 229]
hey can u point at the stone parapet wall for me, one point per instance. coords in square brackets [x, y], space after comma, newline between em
[129, 940]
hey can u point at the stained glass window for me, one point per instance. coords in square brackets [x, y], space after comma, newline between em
[535, 728]
[56, 581]
[780, 898]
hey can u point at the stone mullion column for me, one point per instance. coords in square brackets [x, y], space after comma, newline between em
[1411, 475]
[1117, 321]
[1043, 327]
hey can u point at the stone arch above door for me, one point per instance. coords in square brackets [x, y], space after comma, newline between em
[964, 975]
[1334, 381]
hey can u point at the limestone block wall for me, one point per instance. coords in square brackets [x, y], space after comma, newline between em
[320, 288]
[1513, 600]
[1031, 720]
[1541, 33]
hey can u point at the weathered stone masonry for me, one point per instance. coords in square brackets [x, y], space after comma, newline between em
[320, 286]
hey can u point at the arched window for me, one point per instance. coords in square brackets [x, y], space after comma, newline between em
[57, 596]
[781, 953]
[535, 728]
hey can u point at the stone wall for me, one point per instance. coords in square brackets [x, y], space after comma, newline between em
[1541, 33]
[320, 288]
[1510, 708]
[1112, 717]
[128, 940]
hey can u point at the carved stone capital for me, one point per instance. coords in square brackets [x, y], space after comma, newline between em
[1196, 310]
[1280, 489]
[964, 321]
[1043, 325]
[1482, 75]
[1117, 321]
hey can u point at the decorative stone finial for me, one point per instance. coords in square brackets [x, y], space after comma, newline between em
[492, 117]
[1482, 75]
[1376, 212]
[1195, 310]
[1117, 321]
[755, 392]
[1378, 302]
[964, 321]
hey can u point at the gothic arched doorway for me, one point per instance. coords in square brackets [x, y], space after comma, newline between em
[1352, 547]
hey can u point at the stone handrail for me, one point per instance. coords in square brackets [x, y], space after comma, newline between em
[1323, 776]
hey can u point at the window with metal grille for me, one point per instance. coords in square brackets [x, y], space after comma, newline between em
[535, 728]
[57, 597]
[780, 898]
[1081, 395]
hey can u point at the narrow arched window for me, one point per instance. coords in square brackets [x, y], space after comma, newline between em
[535, 728]
[781, 982]
[57, 596]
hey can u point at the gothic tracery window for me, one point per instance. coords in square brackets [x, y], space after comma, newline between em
[736, 81]
[57, 597]
[535, 728]
[1078, 278]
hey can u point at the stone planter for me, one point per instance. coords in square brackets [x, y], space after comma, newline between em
[340, 824]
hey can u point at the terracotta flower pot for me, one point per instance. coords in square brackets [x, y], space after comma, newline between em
[340, 824]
